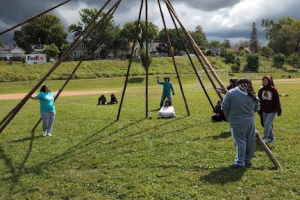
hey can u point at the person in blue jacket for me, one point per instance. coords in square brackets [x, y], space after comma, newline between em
[167, 87]
[47, 108]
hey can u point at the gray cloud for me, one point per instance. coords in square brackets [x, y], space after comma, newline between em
[219, 18]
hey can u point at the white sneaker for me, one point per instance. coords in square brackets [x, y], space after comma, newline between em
[266, 141]
[44, 133]
[271, 141]
[49, 134]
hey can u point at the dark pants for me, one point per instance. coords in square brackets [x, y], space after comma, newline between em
[164, 96]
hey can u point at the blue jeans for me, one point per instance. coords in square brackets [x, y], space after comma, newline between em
[164, 96]
[48, 119]
[268, 121]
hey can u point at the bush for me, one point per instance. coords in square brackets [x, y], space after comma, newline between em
[278, 60]
[230, 57]
[253, 62]
[294, 60]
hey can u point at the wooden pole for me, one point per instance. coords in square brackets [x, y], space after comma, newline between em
[147, 56]
[130, 60]
[260, 140]
[77, 41]
[94, 43]
[191, 61]
[28, 20]
[194, 45]
[173, 59]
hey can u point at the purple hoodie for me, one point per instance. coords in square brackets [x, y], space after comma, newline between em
[269, 98]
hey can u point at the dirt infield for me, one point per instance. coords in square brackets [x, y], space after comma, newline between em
[63, 94]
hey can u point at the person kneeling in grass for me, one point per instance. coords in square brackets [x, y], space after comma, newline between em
[167, 111]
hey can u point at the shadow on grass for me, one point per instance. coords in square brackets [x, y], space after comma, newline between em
[16, 173]
[223, 135]
[135, 80]
[224, 175]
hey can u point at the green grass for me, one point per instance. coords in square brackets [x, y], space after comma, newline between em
[90, 156]
[118, 68]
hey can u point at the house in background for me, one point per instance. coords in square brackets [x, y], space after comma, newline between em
[12, 51]
[156, 49]
[237, 50]
[37, 49]
[213, 51]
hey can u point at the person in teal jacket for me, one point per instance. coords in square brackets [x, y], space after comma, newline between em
[167, 87]
[47, 108]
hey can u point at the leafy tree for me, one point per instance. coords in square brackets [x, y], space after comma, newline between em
[266, 51]
[47, 28]
[230, 57]
[1, 45]
[278, 60]
[198, 36]
[223, 52]
[52, 50]
[284, 36]
[294, 60]
[226, 44]
[86, 15]
[253, 62]
[120, 42]
[215, 43]
[254, 44]
[129, 32]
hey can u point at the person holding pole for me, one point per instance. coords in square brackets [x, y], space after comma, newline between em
[239, 106]
[47, 108]
[167, 87]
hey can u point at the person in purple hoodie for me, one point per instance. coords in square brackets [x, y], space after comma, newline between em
[269, 106]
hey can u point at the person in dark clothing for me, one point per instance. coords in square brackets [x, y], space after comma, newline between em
[232, 84]
[219, 114]
[113, 99]
[101, 100]
[270, 105]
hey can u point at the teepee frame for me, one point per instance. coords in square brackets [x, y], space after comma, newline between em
[103, 22]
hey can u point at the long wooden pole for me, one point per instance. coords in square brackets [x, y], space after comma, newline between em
[94, 43]
[173, 59]
[28, 20]
[194, 46]
[191, 61]
[147, 56]
[130, 60]
[77, 41]
[198, 50]
[260, 140]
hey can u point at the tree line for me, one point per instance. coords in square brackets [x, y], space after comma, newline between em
[283, 37]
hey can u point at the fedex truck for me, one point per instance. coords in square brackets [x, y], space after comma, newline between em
[35, 59]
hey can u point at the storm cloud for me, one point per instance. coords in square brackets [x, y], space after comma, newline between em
[220, 19]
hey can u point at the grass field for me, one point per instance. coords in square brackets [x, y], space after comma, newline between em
[90, 156]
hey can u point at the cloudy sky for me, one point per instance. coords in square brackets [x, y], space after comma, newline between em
[220, 19]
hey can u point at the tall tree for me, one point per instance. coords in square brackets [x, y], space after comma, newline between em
[86, 15]
[129, 31]
[284, 36]
[254, 44]
[46, 29]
